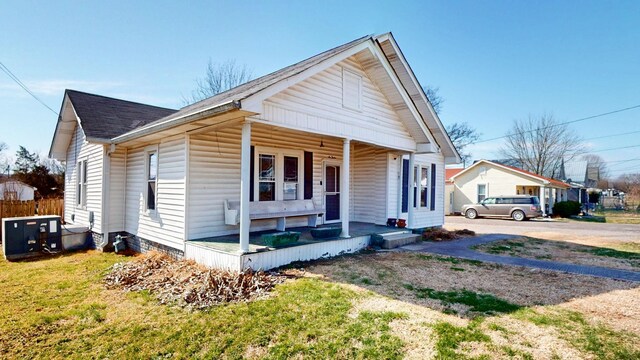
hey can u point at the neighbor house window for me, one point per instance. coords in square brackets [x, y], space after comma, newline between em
[152, 179]
[482, 192]
[424, 186]
[291, 178]
[81, 194]
[267, 177]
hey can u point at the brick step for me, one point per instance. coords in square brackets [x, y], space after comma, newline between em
[397, 240]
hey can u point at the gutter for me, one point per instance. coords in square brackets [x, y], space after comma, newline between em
[169, 123]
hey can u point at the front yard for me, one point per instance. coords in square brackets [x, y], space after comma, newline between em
[373, 305]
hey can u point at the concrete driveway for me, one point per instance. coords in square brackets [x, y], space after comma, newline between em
[577, 231]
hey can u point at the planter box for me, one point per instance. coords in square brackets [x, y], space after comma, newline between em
[280, 238]
[325, 233]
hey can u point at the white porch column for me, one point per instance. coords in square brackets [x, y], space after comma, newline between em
[245, 174]
[542, 200]
[345, 187]
[410, 195]
[399, 197]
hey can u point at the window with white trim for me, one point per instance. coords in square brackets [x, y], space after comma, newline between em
[424, 186]
[81, 192]
[482, 192]
[151, 179]
[279, 174]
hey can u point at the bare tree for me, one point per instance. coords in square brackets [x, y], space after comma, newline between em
[219, 77]
[461, 134]
[540, 144]
[434, 98]
[630, 185]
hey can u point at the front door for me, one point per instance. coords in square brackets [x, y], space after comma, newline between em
[332, 192]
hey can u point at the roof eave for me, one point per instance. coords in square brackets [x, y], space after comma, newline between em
[225, 107]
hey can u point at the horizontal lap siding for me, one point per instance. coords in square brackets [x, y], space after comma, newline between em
[78, 150]
[423, 216]
[369, 185]
[315, 104]
[117, 180]
[166, 225]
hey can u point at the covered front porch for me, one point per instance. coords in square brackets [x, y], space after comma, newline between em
[222, 251]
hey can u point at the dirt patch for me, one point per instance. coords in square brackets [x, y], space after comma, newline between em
[627, 258]
[187, 284]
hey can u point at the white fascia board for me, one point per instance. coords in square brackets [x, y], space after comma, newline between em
[253, 103]
[401, 57]
[427, 148]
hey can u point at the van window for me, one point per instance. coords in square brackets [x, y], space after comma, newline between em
[489, 201]
[505, 201]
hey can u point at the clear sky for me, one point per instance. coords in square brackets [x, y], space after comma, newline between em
[493, 61]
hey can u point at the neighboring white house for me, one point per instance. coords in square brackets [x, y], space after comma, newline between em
[339, 130]
[487, 179]
[16, 190]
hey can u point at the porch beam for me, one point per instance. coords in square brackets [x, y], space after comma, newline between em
[410, 195]
[245, 174]
[345, 187]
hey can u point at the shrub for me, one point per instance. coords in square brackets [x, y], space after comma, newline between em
[566, 208]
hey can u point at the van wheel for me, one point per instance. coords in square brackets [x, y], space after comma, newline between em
[518, 215]
[471, 214]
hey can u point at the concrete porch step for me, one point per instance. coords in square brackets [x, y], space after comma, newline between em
[392, 241]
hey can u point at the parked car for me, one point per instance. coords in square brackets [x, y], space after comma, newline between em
[517, 207]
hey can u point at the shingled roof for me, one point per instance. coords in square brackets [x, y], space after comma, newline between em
[105, 118]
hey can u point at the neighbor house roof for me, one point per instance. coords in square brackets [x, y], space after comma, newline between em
[449, 173]
[545, 180]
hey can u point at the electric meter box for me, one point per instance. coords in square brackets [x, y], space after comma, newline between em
[30, 236]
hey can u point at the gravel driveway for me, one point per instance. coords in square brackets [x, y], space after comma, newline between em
[549, 229]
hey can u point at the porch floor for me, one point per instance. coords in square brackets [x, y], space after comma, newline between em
[231, 243]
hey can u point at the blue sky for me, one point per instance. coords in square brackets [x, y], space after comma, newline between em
[494, 61]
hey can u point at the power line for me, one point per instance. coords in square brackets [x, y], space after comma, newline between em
[13, 77]
[612, 135]
[562, 123]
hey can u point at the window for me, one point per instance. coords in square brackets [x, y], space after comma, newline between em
[81, 194]
[152, 178]
[351, 90]
[290, 189]
[482, 192]
[424, 186]
[267, 177]
[278, 174]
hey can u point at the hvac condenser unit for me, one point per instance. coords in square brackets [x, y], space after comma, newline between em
[31, 236]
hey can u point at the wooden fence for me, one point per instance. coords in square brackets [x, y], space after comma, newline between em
[17, 208]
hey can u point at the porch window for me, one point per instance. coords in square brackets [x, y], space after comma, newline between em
[81, 194]
[290, 189]
[424, 186]
[482, 192]
[152, 176]
[267, 177]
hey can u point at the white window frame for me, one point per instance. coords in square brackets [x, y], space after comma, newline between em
[279, 169]
[426, 186]
[148, 151]
[486, 191]
[81, 183]
[346, 104]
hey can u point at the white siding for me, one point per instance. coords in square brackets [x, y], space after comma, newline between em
[499, 182]
[117, 180]
[369, 184]
[79, 149]
[423, 216]
[165, 225]
[316, 105]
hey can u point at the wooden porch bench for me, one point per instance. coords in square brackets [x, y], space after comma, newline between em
[279, 210]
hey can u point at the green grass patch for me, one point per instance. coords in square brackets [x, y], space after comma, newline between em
[501, 247]
[598, 340]
[456, 268]
[450, 337]
[61, 309]
[483, 303]
[449, 259]
[615, 253]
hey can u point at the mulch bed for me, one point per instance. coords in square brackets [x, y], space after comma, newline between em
[187, 284]
[439, 234]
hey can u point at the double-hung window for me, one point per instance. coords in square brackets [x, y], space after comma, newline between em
[278, 174]
[152, 179]
[81, 192]
[424, 186]
[482, 192]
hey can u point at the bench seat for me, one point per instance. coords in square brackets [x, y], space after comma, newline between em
[279, 210]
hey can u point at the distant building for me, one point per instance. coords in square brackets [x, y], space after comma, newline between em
[15, 190]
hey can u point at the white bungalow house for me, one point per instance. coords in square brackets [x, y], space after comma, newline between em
[487, 179]
[16, 190]
[329, 140]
